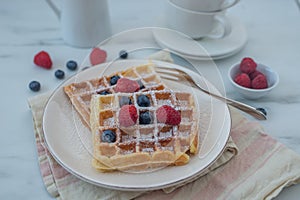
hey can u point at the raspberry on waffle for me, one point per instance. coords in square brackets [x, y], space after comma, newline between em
[145, 144]
[81, 93]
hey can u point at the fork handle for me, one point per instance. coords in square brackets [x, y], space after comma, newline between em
[241, 106]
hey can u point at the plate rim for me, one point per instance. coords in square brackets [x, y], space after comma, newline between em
[122, 188]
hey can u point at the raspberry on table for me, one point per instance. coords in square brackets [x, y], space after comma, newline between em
[126, 85]
[128, 115]
[43, 59]
[97, 56]
[259, 82]
[168, 115]
[243, 80]
[248, 65]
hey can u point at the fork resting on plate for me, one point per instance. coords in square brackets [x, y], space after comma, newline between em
[179, 75]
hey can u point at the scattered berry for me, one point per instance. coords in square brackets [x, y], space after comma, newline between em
[145, 118]
[168, 115]
[60, 74]
[248, 65]
[143, 101]
[114, 79]
[42, 59]
[123, 54]
[128, 115]
[127, 85]
[104, 92]
[108, 136]
[259, 82]
[34, 86]
[243, 80]
[254, 74]
[262, 110]
[71, 65]
[125, 101]
[97, 56]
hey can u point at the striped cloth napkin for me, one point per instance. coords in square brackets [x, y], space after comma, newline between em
[253, 166]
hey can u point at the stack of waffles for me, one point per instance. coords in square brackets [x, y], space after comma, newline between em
[138, 147]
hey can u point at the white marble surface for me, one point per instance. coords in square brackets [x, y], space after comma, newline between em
[30, 26]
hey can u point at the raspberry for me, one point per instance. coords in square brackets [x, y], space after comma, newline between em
[97, 56]
[126, 85]
[128, 115]
[254, 74]
[243, 80]
[248, 65]
[168, 115]
[42, 59]
[259, 82]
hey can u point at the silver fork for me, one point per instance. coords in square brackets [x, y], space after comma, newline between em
[179, 75]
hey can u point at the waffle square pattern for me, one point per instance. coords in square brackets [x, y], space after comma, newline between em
[143, 146]
[80, 93]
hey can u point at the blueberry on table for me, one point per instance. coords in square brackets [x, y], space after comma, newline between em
[105, 92]
[34, 86]
[123, 54]
[108, 136]
[124, 101]
[71, 65]
[143, 101]
[114, 79]
[145, 118]
[59, 74]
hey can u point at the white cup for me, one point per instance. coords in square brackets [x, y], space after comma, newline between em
[205, 5]
[195, 24]
[84, 23]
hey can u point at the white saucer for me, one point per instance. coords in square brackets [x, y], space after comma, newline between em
[206, 48]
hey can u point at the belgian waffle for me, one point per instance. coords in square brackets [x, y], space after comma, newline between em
[142, 147]
[81, 93]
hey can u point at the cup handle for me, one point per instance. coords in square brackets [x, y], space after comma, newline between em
[54, 8]
[222, 21]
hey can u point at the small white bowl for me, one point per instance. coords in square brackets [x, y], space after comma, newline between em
[272, 78]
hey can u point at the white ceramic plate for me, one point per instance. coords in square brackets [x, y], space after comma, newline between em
[206, 48]
[69, 141]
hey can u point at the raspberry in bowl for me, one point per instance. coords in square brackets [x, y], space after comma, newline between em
[251, 79]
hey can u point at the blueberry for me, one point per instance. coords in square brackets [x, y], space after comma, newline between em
[34, 86]
[104, 92]
[59, 74]
[143, 101]
[262, 110]
[145, 118]
[123, 54]
[108, 136]
[141, 84]
[71, 65]
[114, 79]
[124, 101]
